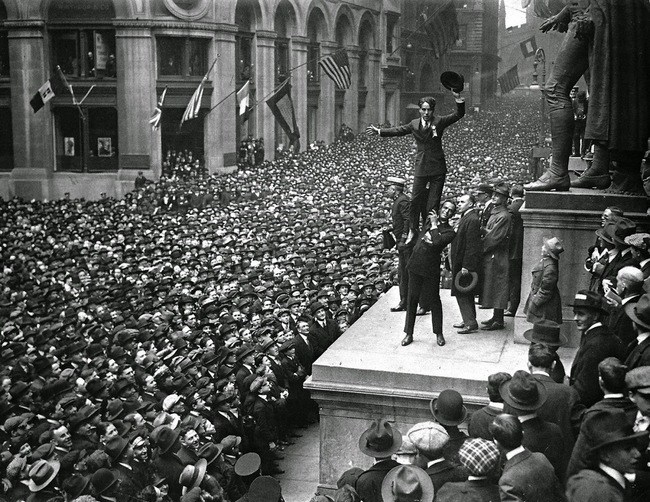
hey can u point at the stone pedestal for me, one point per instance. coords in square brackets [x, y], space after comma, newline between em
[573, 217]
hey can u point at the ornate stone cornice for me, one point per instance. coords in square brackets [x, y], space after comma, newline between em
[21, 24]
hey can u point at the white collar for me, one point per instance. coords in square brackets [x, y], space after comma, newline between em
[526, 418]
[475, 478]
[436, 461]
[629, 299]
[594, 325]
[516, 451]
[496, 406]
[643, 263]
[620, 479]
[641, 337]
[613, 396]
[540, 372]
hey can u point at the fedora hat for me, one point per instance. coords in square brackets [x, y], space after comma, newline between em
[623, 228]
[75, 486]
[115, 446]
[264, 489]
[545, 332]
[210, 451]
[193, 475]
[501, 188]
[586, 299]
[606, 232]
[166, 438]
[461, 283]
[407, 483]
[523, 392]
[452, 81]
[448, 408]
[248, 464]
[42, 473]
[554, 247]
[608, 427]
[103, 480]
[380, 439]
[639, 311]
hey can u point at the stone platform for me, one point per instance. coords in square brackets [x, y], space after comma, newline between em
[367, 374]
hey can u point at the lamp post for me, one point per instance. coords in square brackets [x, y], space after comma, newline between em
[540, 58]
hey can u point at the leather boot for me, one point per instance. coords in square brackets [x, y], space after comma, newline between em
[626, 174]
[556, 176]
[597, 175]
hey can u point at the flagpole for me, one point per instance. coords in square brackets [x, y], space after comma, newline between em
[258, 101]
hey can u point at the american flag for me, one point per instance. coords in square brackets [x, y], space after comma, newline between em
[337, 67]
[157, 113]
[193, 107]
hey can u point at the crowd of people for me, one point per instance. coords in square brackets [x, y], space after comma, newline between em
[251, 152]
[155, 347]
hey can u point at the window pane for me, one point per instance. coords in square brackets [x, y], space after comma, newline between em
[4, 55]
[313, 55]
[101, 53]
[198, 57]
[170, 55]
[281, 59]
[102, 139]
[66, 52]
[244, 57]
[6, 140]
[69, 145]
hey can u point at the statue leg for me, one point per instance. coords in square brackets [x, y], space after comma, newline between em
[572, 61]
[597, 175]
[626, 173]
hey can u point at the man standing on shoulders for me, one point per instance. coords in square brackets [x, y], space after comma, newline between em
[465, 257]
[526, 476]
[400, 229]
[430, 163]
[495, 259]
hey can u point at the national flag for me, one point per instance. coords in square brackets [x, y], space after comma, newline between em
[243, 100]
[193, 107]
[528, 47]
[441, 26]
[157, 114]
[337, 67]
[509, 80]
[282, 108]
[57, 84]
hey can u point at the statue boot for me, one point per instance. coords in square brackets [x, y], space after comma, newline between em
[626, 173]
[556, 176]
[597, 174]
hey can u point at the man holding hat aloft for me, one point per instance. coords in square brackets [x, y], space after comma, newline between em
[544, 301]
[612, 453]
[399, 230]
[430, 440]
[379, 441]
[638, 352]
[465, 255]
[596, 344]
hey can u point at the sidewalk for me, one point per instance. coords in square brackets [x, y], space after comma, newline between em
[300, 480]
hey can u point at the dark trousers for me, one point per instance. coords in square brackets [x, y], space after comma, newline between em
[403, 274]
[467, 309]
[514, 284]
[416, 283]
[425, 199]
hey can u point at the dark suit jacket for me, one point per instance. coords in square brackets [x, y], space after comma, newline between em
[480, 421]
[429, 159]
[445, 472]
[621, 325]
[516, 241]
[240, 376]
[529, 477]
[226, 426]
[638, 355]
[304, 352]
[170, 467]
[466, 249]
[368, 483]
[425, 258]
[476, 490]
[595, 345]
[546, 437]
[400, 217]
[324, 337]
[590, 485]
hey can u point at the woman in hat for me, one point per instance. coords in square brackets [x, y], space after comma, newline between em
[544, 302]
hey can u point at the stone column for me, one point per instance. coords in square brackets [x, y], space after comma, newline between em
[139, 146]
[351, 100]
[32, 132]
[326, 102]
[265, 83]
[373, 85]
[299, 84]
[220, 124]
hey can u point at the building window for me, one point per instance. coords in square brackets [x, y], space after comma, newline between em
[313, 70]
[281, 59]
[391, 23]
[85, 53]
[4, 55]
[182, 57]
[6, 140]
[88, 145]
[244, 55]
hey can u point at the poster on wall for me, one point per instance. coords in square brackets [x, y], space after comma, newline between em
[104, 147]
[68, 147]
[101, 51]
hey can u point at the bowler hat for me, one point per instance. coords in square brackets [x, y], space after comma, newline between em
[452, 81]
[523, 392]
[448, 408]
[639, 311]
[608, 427]
[463, 285]
[315, 307]
[75, 486]
[586, 299]
[380, 439]
[407, 483]
[103, 480]
[546, 332]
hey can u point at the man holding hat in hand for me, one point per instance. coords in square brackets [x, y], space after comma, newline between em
[399, 230]
[379, 441]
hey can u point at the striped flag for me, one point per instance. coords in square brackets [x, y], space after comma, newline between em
[282, 108]
[243, 99]
[57, 84]
[193, 107]
[337, 67]
[157, 114]
[509, 80]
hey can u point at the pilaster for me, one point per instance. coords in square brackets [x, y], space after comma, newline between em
[299, 84]
[265, 83]
[326, 102]
[373, 86]
[351, 100]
